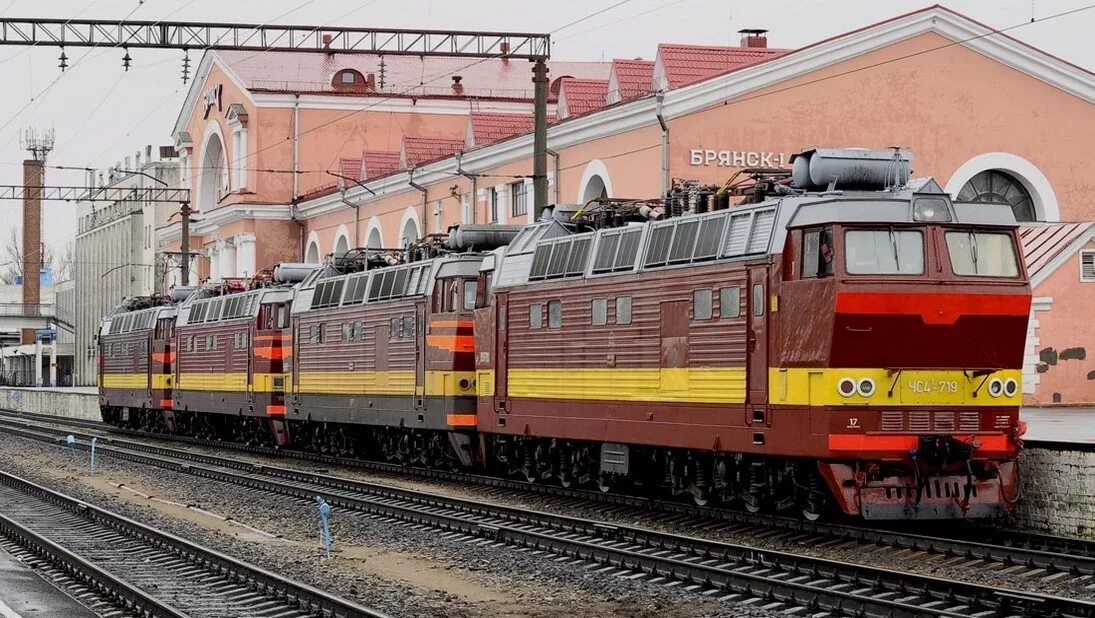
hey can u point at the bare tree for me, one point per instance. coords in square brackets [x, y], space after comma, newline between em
[12, 265]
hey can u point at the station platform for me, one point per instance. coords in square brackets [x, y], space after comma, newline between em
[23, 594]
[1060, 425]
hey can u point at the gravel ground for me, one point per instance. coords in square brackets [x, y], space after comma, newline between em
[935, 565]
[395, 568]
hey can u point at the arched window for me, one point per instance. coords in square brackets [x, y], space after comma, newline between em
[595, 188]
[374, 241]
[341, 246]
[410, 233]
[312, 257]
[214, 173]
[1000, 187]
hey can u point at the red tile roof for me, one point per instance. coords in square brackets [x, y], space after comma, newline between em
[581, 95]
[488, 127]
[633, 78]
[681, 65]
[308, 72]
[379, 163]
[350, 168]
[419, 150]
[1042, 243]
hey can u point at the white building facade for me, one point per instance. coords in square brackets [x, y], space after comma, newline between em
[116, 246]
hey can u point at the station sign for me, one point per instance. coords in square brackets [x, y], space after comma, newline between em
[212, 97]
[707, 157]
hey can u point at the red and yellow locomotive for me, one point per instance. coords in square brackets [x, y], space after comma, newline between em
[851, 341]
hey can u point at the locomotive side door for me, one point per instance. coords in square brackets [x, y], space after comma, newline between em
[249, 348]
[149, 354]
[757, 338]
[501, 348]
[420, 355]
[296, 361]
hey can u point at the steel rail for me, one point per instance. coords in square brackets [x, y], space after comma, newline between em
[1052, 553]
[307, 597]
[121, 592]
[797, 580]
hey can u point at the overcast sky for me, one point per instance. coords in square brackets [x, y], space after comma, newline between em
[101, 113]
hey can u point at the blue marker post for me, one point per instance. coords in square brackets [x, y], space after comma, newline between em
[71, 441]
[325, 525]
[93, 441]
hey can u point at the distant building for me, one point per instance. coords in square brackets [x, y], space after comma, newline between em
[116, 246]
[53, 351]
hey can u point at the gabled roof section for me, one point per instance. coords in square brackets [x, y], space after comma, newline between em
[579, 96]
[377, 163]
[680, 65]
[1047, 246]
[715, 90]
[629, 79]
[309, 72]
[488, 127]
[418, 150]
[350, 168]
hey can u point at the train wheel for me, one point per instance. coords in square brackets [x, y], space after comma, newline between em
[604, 483]
[812, 510]
[699, 496]
[751, 503]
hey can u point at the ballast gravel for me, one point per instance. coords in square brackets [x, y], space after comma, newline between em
[390, 566]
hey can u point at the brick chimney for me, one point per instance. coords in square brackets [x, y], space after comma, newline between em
[457, 87]
[33, 176]
[753, 37]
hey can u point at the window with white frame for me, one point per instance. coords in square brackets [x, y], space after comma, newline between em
[239, 157]
[518, 199]
[184, 169]
[493, 199]
[1087, 265]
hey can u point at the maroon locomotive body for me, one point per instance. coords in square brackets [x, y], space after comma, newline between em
[856, 349]
[848, 342]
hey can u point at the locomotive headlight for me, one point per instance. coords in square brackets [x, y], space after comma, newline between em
[866, 387]
[1011, 387]
[931, 209]
[996, 387]
[846, 387]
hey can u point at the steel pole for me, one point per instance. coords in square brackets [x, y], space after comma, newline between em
[539, 144]
[184, 244]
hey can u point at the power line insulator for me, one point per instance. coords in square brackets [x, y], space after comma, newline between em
[186, 66]
[126, 59]
[64, 60]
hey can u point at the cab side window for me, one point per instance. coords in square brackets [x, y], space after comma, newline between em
[817, 253]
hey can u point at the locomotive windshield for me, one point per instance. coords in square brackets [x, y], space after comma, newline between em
[982, 254]
[884, 252]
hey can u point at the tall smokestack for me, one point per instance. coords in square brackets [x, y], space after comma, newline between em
[33, 178]
[38, 145]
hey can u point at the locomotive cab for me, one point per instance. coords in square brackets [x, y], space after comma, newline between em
[905, 350]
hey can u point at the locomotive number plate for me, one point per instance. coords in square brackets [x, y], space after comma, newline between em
[933, 387]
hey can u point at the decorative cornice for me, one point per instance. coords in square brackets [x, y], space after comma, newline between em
[208, 223]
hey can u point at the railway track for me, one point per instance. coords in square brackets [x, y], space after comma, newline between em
[148, 572]
[774, 580]
[1028, 553]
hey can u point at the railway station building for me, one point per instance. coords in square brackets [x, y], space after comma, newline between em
[294, 157]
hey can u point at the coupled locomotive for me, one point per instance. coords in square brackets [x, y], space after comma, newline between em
[850, 341]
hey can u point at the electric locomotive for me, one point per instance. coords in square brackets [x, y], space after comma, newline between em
[843, 339]
[847, 339]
